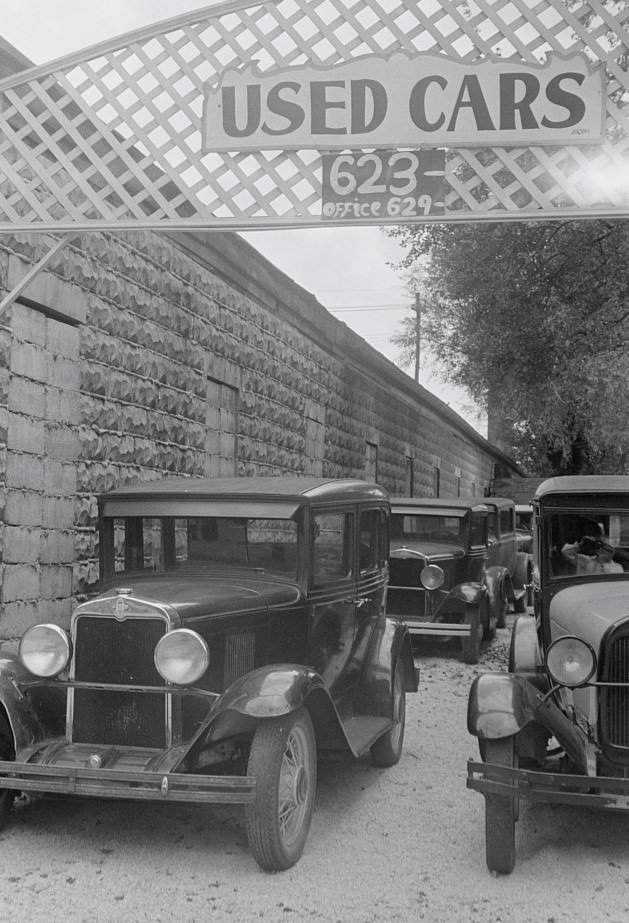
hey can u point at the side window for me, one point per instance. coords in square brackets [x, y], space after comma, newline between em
[492, 531]
[371, 539]
[478, 530]
[332, 547]
[506, 521]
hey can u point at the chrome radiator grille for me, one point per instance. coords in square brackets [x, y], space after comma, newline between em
[614, 700]
[239, 656]
[107, 650]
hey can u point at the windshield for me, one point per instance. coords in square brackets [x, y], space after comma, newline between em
[198, 545]
[591, 542]
[427, 528]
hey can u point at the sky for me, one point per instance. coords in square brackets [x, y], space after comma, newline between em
[349, 270]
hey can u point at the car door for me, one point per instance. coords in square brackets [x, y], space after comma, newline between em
[333, 601]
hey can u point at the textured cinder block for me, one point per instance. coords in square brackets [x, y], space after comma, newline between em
[20, 581]
[21, 545]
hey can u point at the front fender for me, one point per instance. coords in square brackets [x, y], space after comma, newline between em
[24, 723]
[500, 705]
[463, 595]
[269, 692]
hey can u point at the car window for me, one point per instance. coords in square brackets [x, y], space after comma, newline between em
[478, 529]
[371, 539]
[195, 545]
[506, 521]
[590, 543]
[492, 530]
[427, 528]
[332, 546]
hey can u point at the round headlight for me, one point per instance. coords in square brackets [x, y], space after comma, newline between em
[182, 656]
[432, 577]
[45, 650]
[570, 661]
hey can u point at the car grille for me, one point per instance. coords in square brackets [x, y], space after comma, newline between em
[107, 650]
[614, 700]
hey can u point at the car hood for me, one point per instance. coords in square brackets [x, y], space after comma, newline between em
[589, 609]
[429, 552]
[206, 595]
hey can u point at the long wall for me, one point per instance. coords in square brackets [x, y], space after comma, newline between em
[141, 354]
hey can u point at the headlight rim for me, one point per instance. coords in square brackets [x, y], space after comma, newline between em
[562, 682]
[60, 633]
[168, 639]
[432, 568]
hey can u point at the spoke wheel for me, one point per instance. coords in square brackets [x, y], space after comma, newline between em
[470, 647]
[283, 760]
[387, 750]
[501, 813]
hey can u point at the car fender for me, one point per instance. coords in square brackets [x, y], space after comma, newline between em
[497, 578]
[500, 705]
[391, 642]
[465, 594]
[265, 693]
[23, 721]
[525, 656]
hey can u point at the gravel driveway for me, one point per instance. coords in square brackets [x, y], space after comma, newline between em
[403, 844]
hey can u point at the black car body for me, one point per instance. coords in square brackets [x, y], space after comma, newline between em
[240, 629]
[448, 575]
[555, 727]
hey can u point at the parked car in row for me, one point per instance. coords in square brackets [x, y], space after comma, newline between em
[555, 727]
[239, 632]
[454, 568]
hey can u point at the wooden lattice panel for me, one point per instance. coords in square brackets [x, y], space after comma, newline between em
[111, 137]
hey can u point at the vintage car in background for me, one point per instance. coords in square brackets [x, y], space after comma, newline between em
[506, 551]
[555, 727]
[524, 526]
[240, 631]
[448, 576]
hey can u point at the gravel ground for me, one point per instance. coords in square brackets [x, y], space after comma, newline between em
[400, 844]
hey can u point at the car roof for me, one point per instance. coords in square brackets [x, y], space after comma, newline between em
[584, 484]
[296, 489]
[499, 502]
[459, 504]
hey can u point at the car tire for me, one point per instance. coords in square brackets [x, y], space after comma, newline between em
[470, 646]
[501, 812]
[283, 761]
[387, 750]
[502, 604]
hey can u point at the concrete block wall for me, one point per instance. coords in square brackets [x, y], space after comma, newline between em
[104, 379]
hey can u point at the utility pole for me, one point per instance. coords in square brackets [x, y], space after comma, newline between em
[418, 320]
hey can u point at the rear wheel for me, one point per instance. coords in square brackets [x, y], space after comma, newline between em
[501, 812]
[283, 761]
[502, 604]
[387, 750]
[470, 646]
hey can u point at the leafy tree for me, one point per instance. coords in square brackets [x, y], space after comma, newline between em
[533, 320]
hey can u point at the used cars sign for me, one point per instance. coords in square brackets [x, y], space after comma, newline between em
[405, 101]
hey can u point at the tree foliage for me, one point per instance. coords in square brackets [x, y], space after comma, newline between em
[533, 320]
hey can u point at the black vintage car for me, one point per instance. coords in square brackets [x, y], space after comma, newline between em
[448, 575]
[240, 630]
[555, 727]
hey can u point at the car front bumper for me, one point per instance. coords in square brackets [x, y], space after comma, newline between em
[554, 787]
[72, 770]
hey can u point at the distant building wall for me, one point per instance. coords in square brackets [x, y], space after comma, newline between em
[140, 354]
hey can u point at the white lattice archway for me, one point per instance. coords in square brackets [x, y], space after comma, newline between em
[111, 137]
